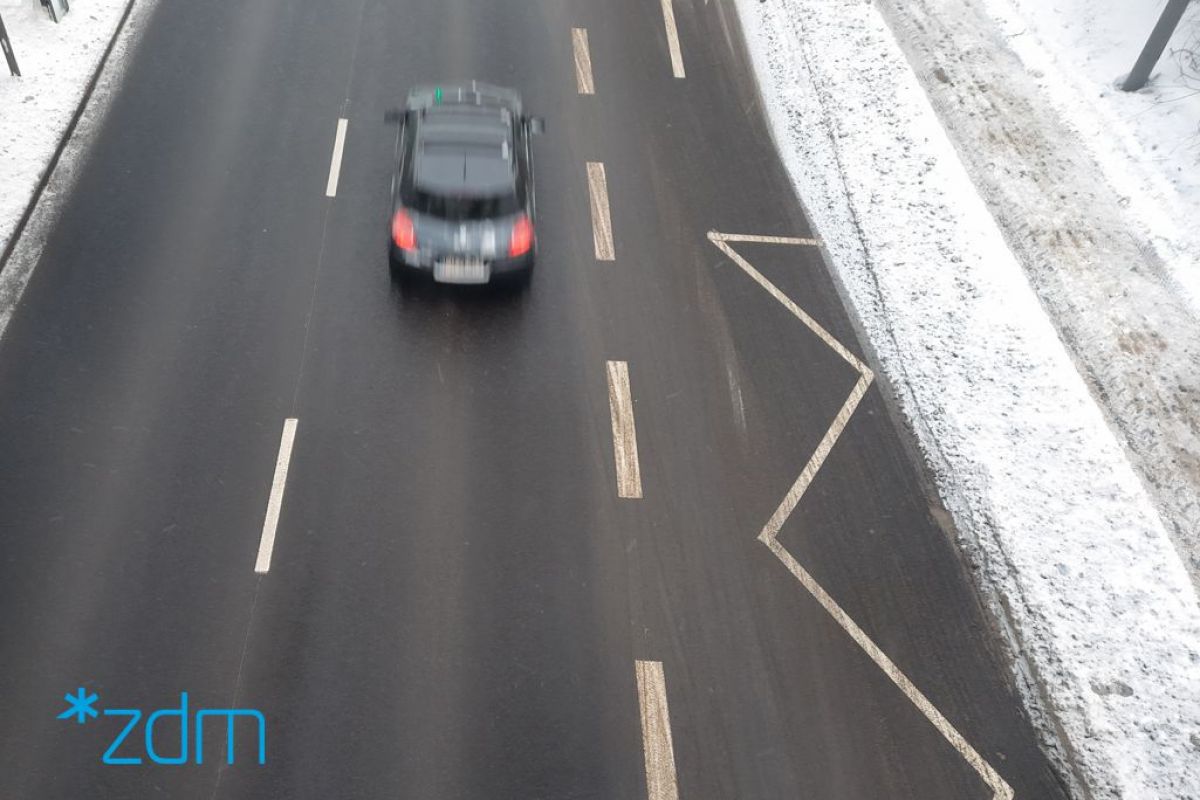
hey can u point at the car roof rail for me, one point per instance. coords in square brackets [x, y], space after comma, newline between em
[473, 92]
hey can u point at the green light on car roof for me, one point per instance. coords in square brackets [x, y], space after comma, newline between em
[437, 95]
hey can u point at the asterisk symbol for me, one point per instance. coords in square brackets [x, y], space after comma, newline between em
[81, 706]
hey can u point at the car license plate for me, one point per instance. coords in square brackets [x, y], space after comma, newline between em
[461, 270]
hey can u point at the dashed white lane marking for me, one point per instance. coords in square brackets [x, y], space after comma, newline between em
[335, 163]
[620, 407]
[658, 751]
[602, 236]
[266, 544]
[583, 61]
[672, 38]
[770, 532]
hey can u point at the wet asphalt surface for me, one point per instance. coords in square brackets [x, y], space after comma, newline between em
[458, 596]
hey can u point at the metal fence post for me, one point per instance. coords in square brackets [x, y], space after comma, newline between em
[6, 45]
[1155, 45]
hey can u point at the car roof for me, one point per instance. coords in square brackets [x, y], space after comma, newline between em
[464, 149]
[474, 92]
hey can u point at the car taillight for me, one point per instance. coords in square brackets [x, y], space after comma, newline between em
[403, 233]
[521, 240]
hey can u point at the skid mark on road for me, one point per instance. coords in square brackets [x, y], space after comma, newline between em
[770, 532]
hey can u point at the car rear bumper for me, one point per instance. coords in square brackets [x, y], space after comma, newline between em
[422, 261]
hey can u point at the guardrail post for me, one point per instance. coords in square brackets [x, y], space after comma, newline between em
[1155, 45]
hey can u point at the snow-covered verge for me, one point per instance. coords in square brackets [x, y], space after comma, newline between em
[57, 62]
[1091, 216]
[1070, 550]
[1148, 142]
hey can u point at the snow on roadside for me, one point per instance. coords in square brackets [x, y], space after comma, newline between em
[1104, 278]
[56, 61]
[1148, 141]
[1071, 551]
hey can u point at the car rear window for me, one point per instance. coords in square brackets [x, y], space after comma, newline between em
[460, 178]
[462, 208]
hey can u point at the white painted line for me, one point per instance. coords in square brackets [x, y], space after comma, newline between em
[746, 237]
[770, 532]
[620, 407]
[792, 498]
[266, 544]
[583, 61]
[1000, 789]
[602, 236]
[720, 240]
[335, 163]
[672, 38]
[658, 751]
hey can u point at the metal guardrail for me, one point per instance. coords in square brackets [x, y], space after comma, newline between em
[6, 46]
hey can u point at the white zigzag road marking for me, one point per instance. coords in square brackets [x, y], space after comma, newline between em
[770, 532]
[749, 237]
[721, 241]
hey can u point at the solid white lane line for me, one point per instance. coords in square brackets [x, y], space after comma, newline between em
[658, 751]
[335, 164]
[620, 407]
[602, 236]
[672, 38]
[266, 544]
[583, 61]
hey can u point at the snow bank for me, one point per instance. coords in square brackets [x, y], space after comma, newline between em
[1149, 141]
[1107, 281]
[1070, 549]
[57, 61]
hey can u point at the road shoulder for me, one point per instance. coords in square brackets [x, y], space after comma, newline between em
[70, 70]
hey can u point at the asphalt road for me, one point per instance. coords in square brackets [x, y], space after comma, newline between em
[458, 599]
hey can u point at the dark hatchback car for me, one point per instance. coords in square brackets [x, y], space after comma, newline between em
[462, 189]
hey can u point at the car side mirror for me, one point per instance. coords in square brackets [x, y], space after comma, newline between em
[537, 125]
[393, 115]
